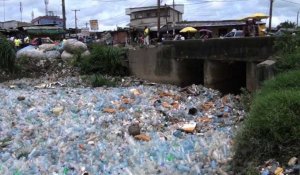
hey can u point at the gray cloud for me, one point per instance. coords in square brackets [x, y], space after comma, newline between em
[111, 14]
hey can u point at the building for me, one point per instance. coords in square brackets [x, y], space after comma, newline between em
[218, 28]
[148, 16]
[46, 20]
[13, 24]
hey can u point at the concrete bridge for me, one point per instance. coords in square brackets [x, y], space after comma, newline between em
[224, 64]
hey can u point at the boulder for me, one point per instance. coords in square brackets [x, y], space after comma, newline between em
[74, 47]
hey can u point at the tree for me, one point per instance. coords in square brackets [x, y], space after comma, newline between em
[287, 24]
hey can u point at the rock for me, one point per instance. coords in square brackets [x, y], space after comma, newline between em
[142, 137]
[74, 47]
[292, 161]
[21, 98]
[58, 110]
[193, 111]
[134, 129]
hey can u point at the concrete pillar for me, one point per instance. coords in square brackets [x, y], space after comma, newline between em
[216, 74]
[251, 76]
[264, 71]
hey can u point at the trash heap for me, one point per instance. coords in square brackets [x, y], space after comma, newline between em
[66, 50]
[272, 167]
[52, 128]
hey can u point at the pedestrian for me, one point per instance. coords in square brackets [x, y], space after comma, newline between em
[26, 41]
[146, 36]
[17, 43]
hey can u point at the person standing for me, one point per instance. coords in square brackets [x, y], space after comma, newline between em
[146, 36]
[17, 43]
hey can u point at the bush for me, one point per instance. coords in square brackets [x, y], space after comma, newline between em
[272, 129]
[287, 44]
[7, 55]
[104, 60]
[289, 80]
[288, 61]
[100, 80]
[288, 49]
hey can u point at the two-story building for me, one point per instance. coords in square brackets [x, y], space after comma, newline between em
[45, 20]
[148, 16]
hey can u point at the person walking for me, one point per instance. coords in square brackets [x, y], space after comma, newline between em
[17, 43]
[146, 36]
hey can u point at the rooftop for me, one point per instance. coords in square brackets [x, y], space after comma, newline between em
[177, 7]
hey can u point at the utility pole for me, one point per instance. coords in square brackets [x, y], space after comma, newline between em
[158, 18]
[64, 14]
[21, 11]
[3, 12]
[270, 15]
[167, 9]
[173, 17]
[297, 18]
[76, 10]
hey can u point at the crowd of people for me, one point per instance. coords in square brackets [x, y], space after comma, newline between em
[19, 42]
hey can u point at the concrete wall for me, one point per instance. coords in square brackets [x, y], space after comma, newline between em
[222, 64]
[159, 65]
[240, 49]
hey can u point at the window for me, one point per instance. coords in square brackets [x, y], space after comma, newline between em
[138, 16]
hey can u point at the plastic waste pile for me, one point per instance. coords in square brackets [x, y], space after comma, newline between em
[70, 47]
[272, 167]
[52, 128]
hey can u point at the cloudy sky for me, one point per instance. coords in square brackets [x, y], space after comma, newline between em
[111, 13]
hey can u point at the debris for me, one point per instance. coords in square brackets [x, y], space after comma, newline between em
[137, 129]
[142, 137]
[58, 110]
[109, 110]
[134, 129]
[21, 98]
[292, 161]
[190, 127]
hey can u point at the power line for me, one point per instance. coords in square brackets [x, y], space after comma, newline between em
[291, 2]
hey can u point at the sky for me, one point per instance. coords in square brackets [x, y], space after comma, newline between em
[111, 13]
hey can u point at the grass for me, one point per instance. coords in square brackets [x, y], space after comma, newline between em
[272, 128]
[104, 60]
[7, 55]
[100, 80]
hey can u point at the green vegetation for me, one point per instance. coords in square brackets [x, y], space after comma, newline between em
[100, 80]
[7, 55]
[272, 127]
[104, 60]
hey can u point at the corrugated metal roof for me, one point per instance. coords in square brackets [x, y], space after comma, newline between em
[178, 7]
[200, 24]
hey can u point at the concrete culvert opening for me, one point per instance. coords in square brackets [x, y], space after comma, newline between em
[228, 77]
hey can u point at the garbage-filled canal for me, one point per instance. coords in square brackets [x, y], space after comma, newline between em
[140, 129]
